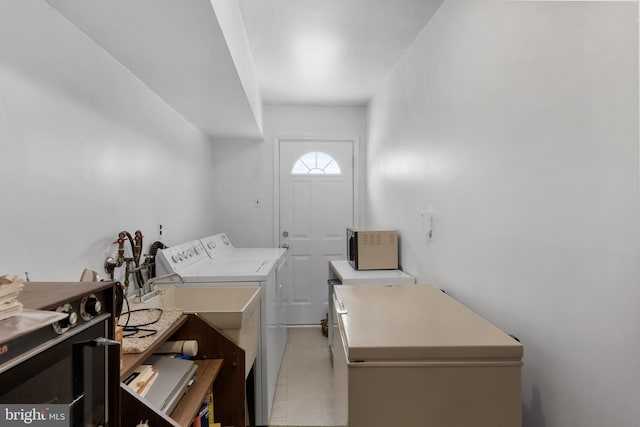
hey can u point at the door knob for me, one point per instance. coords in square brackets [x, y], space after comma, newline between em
[285, 245]
[285, 234]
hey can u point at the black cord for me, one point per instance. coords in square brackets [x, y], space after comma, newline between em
[126, 300]
[131, 330]
[153, 322]
[151, 261]
[139, 275]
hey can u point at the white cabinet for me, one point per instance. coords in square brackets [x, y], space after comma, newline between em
[343, 271]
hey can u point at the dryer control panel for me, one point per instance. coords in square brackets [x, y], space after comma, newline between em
[216, 244]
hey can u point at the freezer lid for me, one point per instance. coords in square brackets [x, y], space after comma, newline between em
[417, 323]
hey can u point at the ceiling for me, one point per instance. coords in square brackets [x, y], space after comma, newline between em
[178, 49]
[329, 51]
[216, 61]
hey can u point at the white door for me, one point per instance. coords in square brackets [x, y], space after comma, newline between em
[316, 207]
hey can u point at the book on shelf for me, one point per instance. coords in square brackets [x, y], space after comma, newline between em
[141, 379]
[147, 385]
[137, 372]
[202, 416]
[209, 401]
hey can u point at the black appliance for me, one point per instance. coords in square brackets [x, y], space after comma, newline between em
[73, 361]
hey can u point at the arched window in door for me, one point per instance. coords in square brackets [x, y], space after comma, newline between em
[316, 163]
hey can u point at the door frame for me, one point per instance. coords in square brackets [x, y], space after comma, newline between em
[355, 143]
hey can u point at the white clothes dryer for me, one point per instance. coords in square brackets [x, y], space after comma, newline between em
[219, 246]
[191, 265]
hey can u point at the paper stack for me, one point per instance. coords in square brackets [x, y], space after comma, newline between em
[10, 287]
[141, 379]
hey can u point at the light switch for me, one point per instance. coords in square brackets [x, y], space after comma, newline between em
[426, 225]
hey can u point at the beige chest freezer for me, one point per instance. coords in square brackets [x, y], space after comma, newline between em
[409, 355]
[342, 273]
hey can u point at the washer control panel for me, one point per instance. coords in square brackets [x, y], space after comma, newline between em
[177, 258]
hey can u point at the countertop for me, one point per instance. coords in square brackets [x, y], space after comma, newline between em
[349, 276]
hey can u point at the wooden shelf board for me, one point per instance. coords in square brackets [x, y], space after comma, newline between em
[131, 360]
[188, 407]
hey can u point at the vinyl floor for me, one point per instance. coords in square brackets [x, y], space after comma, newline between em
[304, 394]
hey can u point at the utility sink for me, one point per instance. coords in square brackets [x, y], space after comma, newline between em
[224, 307]
[233, 310]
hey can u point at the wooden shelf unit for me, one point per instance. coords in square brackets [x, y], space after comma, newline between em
[188, 407]
[220, 362]
[131, 360]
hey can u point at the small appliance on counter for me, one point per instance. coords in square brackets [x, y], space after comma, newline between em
[372, 248]
[60, 350]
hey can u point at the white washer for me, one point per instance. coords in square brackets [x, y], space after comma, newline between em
[222, 265]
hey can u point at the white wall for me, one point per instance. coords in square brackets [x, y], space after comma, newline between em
[244, 170]
[232, 25]
[86, 151]
[516, 126]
